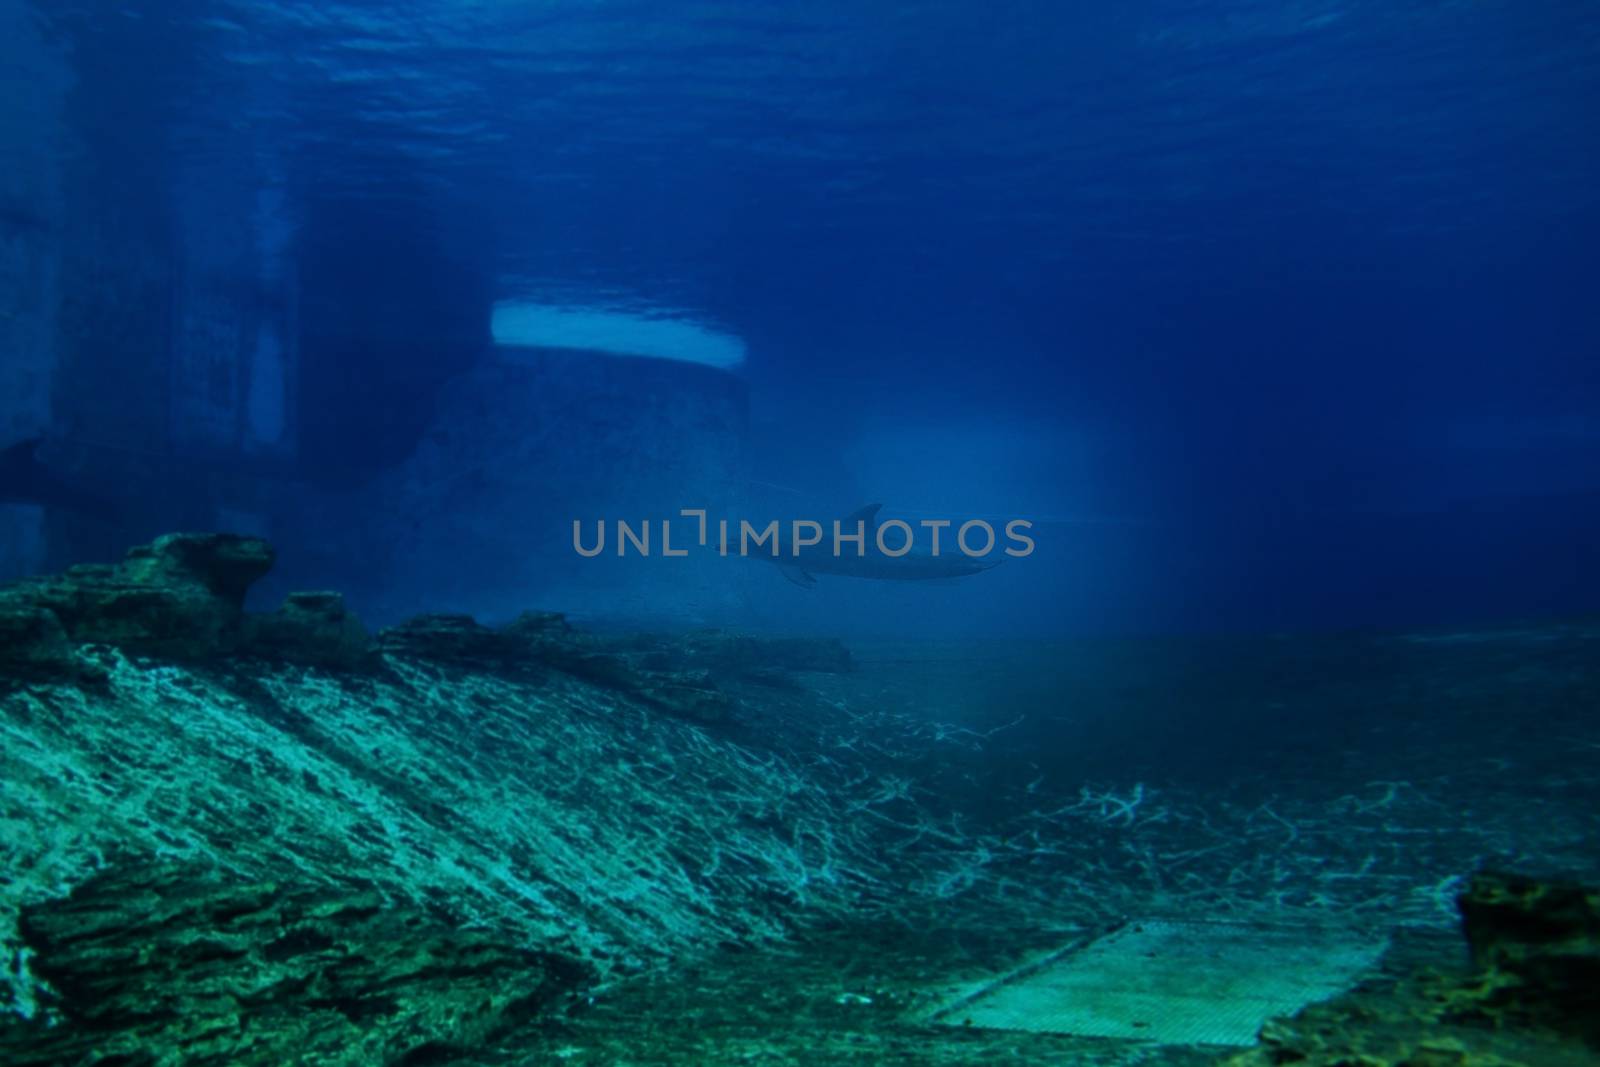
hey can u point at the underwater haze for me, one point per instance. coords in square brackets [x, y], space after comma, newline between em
[1266, 315]
[823, 533]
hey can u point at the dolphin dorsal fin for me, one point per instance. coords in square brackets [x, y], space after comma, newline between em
[867, 515]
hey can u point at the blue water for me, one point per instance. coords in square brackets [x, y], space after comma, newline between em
[1274, 314]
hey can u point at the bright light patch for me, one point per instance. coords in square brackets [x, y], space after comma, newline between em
[1174, 982]
[517, 325]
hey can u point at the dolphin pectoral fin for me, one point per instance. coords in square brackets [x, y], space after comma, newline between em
[867, 515]
[797, 576]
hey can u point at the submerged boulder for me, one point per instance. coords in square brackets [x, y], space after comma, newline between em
[531, 624]
[34, 645]
[1530, 997]
[1537, 942]
[457, 640]
[224, 565]
[181, 597]
[687, 694]
[311, 628]
[150, 962]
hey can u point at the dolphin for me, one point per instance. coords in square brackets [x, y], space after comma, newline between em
[24, 480]
[912, 567]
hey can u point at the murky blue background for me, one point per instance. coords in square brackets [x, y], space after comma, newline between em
[1273, 314]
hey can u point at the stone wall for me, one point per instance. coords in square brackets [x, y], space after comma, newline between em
[147, 292]
[33, 82]
[480, 517]
[209, 342]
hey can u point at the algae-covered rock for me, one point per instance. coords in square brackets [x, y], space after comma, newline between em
[545, 641]
[181, 597]
[32, 638]
[169, 963]
[459, 640]
[539, 624]
[1538, 944]
[562, 814]
[34, 647]
[649, 669]
[1531, 997]
[225, 565]
[645, 675]
[311, 628]
[680, 674]
[688, 695]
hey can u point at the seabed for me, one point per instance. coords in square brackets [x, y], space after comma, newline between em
[236, 838]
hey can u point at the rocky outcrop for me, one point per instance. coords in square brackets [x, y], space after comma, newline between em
[222, 565]
[1531, 997]
[544, 641]
[310, 628]
[181, 598]
[456, 640]
[548, 787]
[680, 674]
[34, 645]
[1537, 943]
[160, 963]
